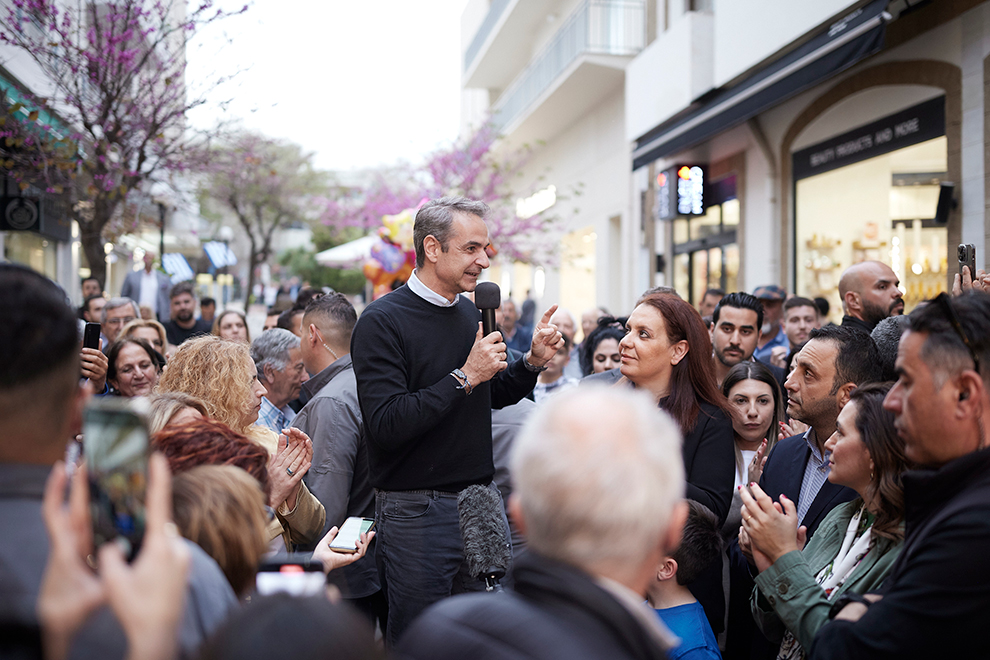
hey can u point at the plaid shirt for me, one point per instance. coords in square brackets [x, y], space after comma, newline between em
[272, 418]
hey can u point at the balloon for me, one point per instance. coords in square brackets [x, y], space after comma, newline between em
[399, 228]
[389, 256]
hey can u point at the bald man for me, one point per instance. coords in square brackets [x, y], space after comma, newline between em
[869, 295]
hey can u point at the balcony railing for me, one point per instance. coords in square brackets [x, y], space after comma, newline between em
[597, 27]
[495, 10]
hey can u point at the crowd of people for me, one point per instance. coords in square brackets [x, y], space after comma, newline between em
[743, 479]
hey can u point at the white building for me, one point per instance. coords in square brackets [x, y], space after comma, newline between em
[825, 133]
[553, 73]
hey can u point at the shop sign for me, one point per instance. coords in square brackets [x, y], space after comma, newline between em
[923, 122]
[681, 192]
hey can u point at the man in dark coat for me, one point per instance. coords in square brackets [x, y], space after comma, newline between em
[594, 546]
[935, 600]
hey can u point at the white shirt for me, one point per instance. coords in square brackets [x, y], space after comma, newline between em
[426, 293]
[149, 290]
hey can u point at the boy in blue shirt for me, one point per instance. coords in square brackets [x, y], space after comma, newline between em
[669, 594]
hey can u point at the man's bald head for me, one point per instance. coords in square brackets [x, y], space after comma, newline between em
[869, 292]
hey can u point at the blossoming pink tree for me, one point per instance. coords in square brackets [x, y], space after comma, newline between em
[474, 167]
[266, 184]
[110, 120]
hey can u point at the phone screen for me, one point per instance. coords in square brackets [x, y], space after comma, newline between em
[115, 443]
[352, 529]
[304, 578]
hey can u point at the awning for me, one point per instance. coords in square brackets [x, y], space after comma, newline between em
[176, 265]
[348, 254]
[220, 254]
[838, 47]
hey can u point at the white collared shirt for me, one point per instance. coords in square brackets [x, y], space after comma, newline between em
[148, 295]
[426, 293]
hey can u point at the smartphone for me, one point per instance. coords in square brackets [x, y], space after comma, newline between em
[116, 447]
[91, 336]
[967, 257]
[294, 574]
[349, 533]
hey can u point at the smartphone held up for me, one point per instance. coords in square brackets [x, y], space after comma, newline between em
[116, 447]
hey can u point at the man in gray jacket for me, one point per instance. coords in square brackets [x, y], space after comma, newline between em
[332, 418]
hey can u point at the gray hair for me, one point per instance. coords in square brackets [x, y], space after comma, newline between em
[114, 303]
[436, 218]
[272, 348]
[593, 464]
[887, 337]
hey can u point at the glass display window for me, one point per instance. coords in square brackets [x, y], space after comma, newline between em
[882, 209]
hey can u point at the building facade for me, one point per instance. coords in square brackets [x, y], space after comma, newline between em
[816, 135]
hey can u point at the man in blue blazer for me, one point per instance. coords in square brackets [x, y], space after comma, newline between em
[149, 287]
[834, 361]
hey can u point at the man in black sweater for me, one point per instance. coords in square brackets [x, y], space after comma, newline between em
[427, 381]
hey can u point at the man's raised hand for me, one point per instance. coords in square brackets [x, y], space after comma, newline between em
[547, 340]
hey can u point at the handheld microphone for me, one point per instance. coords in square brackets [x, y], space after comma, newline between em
[486, 548]
[487, 298]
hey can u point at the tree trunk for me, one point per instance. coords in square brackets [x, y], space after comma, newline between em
[92, 245]
[250, 285]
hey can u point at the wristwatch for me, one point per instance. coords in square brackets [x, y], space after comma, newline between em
[462, 379]
[532, 367]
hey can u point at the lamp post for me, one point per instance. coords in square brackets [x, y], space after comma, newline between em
[226, 234]
[161, 231]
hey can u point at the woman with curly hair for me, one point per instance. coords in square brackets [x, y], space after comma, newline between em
[223, 376]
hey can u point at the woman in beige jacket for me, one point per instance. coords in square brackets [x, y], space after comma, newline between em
[222, 375]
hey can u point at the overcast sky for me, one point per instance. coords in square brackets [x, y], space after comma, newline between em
[359, 82]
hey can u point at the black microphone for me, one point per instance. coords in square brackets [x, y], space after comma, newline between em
[487, 298]
[486, 548]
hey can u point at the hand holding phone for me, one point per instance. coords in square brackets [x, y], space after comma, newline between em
[967, 258]
[333, 558]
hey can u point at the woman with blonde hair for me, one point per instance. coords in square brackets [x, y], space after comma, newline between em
[223, 376]
[168, 408]
[150, 330]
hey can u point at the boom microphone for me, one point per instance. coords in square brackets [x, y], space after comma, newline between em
[486, 548]
[487, 298]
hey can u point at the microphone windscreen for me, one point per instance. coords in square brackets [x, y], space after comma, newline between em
[487, 295]
[482, 520]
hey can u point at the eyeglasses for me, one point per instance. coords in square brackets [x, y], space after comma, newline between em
[944, 303]
[124, 320]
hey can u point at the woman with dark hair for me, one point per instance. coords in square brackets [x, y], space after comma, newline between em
[600, 351]
[757, 408]
[855, 545]
[133, 367]
[667, 351]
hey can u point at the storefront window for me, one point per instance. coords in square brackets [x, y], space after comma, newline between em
[30, 249]
[876, 209]
[706, 254]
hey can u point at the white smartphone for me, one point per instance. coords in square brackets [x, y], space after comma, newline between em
[349, 533]
[295, 574]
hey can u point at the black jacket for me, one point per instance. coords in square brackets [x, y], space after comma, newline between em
[556, 612]
[937, 596]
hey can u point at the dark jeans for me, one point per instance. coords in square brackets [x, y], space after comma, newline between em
[420, 553]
